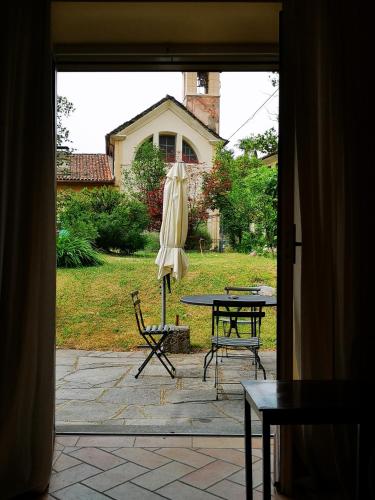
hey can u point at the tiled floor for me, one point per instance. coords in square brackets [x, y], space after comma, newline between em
[152, 467]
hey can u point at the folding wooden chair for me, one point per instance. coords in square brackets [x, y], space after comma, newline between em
[155, 336]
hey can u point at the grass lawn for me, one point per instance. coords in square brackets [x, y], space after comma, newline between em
[94, 309]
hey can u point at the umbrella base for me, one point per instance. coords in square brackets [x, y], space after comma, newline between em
[178, 342]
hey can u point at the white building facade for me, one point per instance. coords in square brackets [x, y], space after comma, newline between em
[186, 132]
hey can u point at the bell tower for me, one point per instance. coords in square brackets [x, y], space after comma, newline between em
[202, 97]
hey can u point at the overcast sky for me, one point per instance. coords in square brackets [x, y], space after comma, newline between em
[103, 101]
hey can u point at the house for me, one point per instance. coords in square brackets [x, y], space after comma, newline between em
[325, 324]
[186, 132]
[270, 160]
[78, 171]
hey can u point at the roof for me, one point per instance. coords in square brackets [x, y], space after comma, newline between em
[154, 106]
[95, 168]
[269, 155]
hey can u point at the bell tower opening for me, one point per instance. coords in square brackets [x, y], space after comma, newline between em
[202, 82]
[202, 96]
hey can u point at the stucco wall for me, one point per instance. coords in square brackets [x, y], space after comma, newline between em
[166, 122]
[206, 108]
[270, 161]
[78, 186]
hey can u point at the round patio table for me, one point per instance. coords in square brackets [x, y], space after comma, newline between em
[208, 300]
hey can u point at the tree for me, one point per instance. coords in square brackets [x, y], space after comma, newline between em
[218, 182]
[260, 143]
[64, 109]
[218, 188]
[148, 168]
[245, 192]
[259, 194]
[275, 78]
[145, 180]
[197, 210]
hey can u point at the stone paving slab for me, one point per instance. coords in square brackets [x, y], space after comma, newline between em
[97, 391]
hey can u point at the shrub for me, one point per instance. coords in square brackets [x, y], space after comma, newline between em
[105, 199]
[123, 228]
[246, 245]
[74, 213]
[194, 237]
[73, 251]
[107, 218]
[152, 241]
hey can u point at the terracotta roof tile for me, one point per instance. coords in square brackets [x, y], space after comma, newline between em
[86, 168]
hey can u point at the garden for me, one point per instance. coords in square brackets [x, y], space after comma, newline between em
[107, 243]
[95, 312]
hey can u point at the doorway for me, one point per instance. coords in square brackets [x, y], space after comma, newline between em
[98, 346]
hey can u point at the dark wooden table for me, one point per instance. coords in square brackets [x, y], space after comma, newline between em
[208, 299]
[304, 402]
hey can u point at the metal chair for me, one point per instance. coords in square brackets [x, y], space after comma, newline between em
[251, 341]
[250, 290]
[150, 334]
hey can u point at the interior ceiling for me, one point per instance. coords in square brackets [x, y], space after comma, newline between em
[164, 23]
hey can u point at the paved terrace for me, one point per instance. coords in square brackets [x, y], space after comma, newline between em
[99, 389]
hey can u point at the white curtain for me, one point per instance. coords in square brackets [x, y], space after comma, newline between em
[27, 248]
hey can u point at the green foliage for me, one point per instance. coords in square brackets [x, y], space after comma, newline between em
[64, 108]
[122, 228]
[104, 199]
[74, 213]
[260, 192]
[147, 171]
[260, 143]
[198, 238]
[247, 244]
[145, 180]
[152, 241]
[73, 251]
[111, 220]
[245, 192]
[217, 183]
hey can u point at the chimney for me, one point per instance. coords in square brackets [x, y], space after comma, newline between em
[202, 97]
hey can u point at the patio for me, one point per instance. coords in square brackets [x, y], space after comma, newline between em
[96, 392]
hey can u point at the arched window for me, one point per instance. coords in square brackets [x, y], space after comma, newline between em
[188, 153]
[167, 145]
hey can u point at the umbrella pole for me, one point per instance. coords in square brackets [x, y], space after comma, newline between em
[163, 300]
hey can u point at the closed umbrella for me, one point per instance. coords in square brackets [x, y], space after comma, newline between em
[171, 259]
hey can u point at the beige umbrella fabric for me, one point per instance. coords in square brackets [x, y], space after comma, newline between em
[171, 258]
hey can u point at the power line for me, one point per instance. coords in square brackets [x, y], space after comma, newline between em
[252, 116]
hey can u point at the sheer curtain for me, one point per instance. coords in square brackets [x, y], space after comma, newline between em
[27, 248]
[327, 52]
